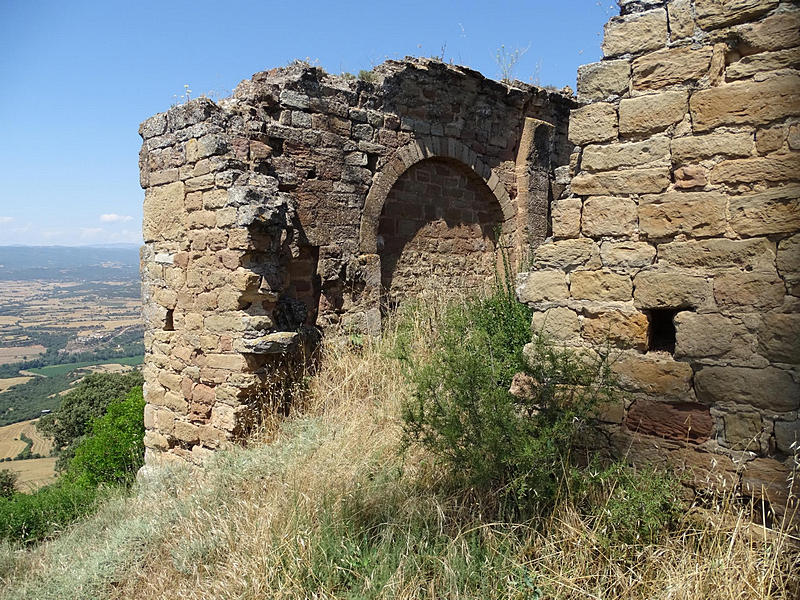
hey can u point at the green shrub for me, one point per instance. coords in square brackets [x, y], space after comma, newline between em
[114, 449]
[33, 517]
[8, 483]
[71, 422]
[631, 506]
[462, 411]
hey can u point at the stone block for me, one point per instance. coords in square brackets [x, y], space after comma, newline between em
[671, 66]
[768, 389]
[634, 181]
[695, 148]
[750, 66]
[770, 139]
[612, 411]
[542, 286]
[776, 210]
[609, 216]
[651, 113]
[769, 480]
[600, 285]
[557, 323]
[627, 255]
[165, 297]
[567, 255]
[224, 417]
[788, 260]
[745, 291]
[174, 401]
[279, 342]
[635, 33]
[779, 337]
[149, 416]
[712, 14]
[772, 168]
[753, 254]
[681, 22]
[566, 218]
[163, 212]
[667, 289]
[153, 439]
[633, 154]
[781, 30]
[696, 214]
[746, 102]
[229, 362]
[224, 322]
[743, 430]
[708, 335]
[594, 123]
[690, 177]
[653, 376]
[186, 432]
[164, 420]
[682, 421]
[624, 329]
[602, 80]
[787, 436]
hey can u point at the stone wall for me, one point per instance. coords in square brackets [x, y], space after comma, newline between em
[676, 242]
[308, 204]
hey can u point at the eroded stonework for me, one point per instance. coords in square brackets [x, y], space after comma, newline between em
[676, 243]
[309, 204]
[660, 214]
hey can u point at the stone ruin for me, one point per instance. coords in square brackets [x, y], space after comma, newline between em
[657, 214]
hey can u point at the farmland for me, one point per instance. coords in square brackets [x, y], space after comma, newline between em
[64, 312]
[33, 473]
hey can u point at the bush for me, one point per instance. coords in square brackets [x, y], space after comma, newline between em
[32, 517]
[630, 506]
[462, 411]
[114, 449]
[71, 422]
[110, 455]
[8, 483]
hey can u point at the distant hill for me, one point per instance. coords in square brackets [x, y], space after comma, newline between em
[73, 263]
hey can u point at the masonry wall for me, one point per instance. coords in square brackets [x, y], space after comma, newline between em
[676, 240]
[300, 207]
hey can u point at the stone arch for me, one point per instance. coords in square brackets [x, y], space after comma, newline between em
[429, 238]
[406, 157]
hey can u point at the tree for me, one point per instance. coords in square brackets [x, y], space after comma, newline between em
[89, 400]
[8, 483]
[114, 449]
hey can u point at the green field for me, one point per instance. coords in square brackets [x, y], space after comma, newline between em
[54, 370]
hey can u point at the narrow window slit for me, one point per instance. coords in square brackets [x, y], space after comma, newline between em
[169, 324]
[661, 330]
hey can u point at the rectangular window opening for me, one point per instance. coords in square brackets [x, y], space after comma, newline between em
[661, 330]
[169, 324]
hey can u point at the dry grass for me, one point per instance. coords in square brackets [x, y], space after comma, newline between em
[10, 382]
[324, 507]
[20, 353]
[11, 444]
[33, 473]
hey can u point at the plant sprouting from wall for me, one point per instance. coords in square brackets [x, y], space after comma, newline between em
[507, 60]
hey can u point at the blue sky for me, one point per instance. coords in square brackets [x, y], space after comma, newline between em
[78, 77]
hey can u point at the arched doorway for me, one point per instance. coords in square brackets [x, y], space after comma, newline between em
[438, 232]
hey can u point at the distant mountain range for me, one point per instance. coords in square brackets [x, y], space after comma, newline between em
[111, 262]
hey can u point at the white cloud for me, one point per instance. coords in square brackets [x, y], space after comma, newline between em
[115, 218]
[6, 219]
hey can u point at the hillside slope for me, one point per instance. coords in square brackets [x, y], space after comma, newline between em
[324, 506]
